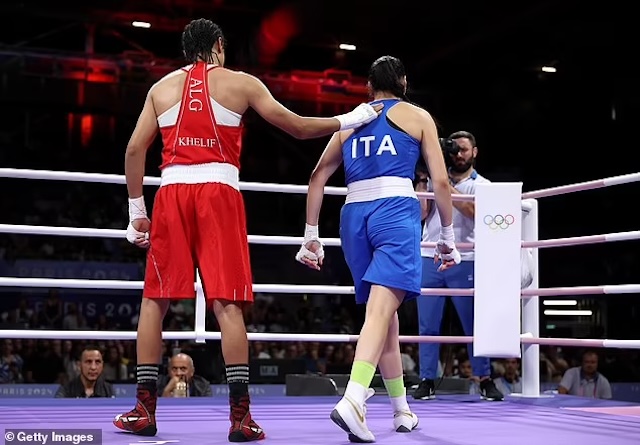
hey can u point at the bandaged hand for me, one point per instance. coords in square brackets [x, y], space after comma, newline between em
[311, 252]
[361, 115]
[139, 224]
[446, 251]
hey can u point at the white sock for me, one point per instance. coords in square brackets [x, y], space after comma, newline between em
[400, 403]
[356, 392]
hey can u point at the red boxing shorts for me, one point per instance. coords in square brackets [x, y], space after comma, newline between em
[199, 226]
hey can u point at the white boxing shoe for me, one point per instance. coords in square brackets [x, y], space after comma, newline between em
[349, 414]
[404, 421]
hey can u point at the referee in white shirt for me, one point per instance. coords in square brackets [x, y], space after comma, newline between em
[463, 178]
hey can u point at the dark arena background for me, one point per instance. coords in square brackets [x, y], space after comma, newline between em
[548, 88]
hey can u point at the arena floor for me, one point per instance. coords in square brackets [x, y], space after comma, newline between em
[448, 420]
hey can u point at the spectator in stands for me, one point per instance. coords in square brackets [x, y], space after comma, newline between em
[465, 370]
[114, 368]
[73, 320]
[70, 359]
[259, 351]
[90, 382]
[510, 382]
[51, 314]
[182, 370]
[292, 351]
[554, 364]
[461, 368]
[276, 351]
[44, 364]
[10, 364]
[21, 316]
[314, 363]
[328, 354]
[585, 380]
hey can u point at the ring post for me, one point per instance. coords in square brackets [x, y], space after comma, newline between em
[497, 283]
[530, 312]
[201, 311]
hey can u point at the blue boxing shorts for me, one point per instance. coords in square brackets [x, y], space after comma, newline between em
[381, 245]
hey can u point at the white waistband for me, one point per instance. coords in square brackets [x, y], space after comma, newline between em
[377, 188]
[200, 174]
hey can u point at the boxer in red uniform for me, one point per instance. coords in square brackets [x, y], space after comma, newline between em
[198, 214]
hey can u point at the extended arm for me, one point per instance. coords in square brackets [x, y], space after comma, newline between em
[445, 247]
[437, 171]
[311, 252]
[300, 127]
[141, 139]
[329, 161]
[567, 382]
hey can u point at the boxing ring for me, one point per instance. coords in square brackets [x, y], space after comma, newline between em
[529, 418]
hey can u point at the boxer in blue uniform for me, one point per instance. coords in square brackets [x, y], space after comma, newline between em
[380, 233]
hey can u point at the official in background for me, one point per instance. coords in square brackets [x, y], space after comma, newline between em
[90, 382]
[182, 380]
[585, 380]
[460, 153]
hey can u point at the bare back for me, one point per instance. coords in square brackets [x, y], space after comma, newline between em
[419, 124]
[409, 118]
[228, 88]
[236, 91]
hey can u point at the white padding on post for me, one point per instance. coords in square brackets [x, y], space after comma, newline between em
[498, 229]
[201, 311]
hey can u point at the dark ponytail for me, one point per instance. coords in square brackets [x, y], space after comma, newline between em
[386, 74]
[198, 39]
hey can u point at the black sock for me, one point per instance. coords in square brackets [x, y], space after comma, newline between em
[147, 377]
[238, 380]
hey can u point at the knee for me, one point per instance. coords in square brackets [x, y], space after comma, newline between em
[379, 315]
[228, 313]
[154, 306]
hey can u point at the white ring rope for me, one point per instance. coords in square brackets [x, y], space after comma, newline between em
[529, 297]
[17, 173]
[297, 240]
[330, 338]
[71, 283]
[582, 290]
[121, 234]
[581, 186]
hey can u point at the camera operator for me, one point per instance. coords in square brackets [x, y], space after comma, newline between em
[460, 153]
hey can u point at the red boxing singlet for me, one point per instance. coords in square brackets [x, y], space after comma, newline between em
[198, 217]
[196, 137]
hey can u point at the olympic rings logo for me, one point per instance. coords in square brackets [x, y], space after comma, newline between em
[498, 221]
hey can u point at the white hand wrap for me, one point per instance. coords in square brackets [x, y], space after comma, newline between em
[447, 244]
[137, 210]
[133, 235]
[361, 115]
[446, 234]
[310, 234]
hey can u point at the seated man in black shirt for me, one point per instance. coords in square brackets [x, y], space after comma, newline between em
[90, 382]
[182, 381]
